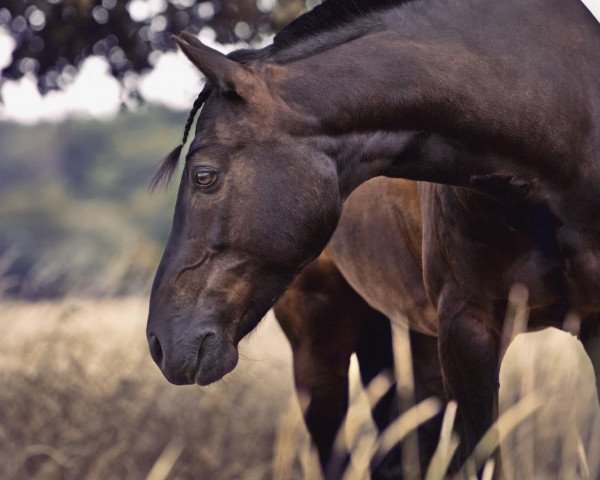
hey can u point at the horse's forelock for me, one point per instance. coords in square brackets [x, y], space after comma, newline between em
[165, 172]
[169, 164]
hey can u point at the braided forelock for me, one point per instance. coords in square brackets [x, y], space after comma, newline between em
[169, 164]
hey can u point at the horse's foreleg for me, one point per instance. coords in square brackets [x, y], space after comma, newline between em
[322, 386]
[375, 355]
[321, 363]
[428, 383]
[321, 317]
[468, 346]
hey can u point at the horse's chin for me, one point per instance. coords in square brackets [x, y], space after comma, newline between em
[215, 363]
[218, 353]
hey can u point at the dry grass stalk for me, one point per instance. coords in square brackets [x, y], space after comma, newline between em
[81, 399]
[517, 316]
[164, 464]
[447, 445]
[405, 385]
[498, 432]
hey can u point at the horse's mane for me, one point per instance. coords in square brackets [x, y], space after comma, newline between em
[325, 17]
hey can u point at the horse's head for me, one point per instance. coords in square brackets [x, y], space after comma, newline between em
[256, 203]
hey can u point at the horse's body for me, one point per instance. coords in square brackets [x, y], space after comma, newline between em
[326, 321]
[377, 247]
[499, 101]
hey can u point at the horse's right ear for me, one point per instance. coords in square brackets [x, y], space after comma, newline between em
[221, 72]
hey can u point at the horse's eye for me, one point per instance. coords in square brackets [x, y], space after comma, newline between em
[206, 178]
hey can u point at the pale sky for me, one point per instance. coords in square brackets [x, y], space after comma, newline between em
[173, 82]
[594, 7]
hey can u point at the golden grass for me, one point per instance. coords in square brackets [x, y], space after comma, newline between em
[80, 398]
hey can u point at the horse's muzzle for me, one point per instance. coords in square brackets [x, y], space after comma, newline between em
[202, 360]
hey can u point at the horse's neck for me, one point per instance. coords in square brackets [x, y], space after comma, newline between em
[411, 98]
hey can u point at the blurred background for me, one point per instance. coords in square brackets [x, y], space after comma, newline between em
[92, 96]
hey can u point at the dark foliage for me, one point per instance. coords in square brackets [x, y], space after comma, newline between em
[54, 36]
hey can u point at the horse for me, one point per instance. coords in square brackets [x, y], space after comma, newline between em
[326, 320]
[496, 103]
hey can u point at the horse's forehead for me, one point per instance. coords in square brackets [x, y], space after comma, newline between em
[216, 111]
[220, 116]
[223, 133]
[213, 128]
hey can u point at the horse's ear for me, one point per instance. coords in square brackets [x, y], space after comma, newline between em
[221, 72]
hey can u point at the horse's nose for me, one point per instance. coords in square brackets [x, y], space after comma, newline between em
[178, 363]
[155, 349]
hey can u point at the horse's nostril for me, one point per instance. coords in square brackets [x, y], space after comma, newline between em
[155, 349]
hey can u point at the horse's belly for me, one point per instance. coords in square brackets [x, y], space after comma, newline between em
[377, 247]
[388, 278]
[393, 289]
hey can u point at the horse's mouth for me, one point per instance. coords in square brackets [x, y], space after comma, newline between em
[194, 373]
[217, 353]
[216, 358]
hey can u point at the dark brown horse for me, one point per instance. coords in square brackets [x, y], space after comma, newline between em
[326, 320]
[498, 102]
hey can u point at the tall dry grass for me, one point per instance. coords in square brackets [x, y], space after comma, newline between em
[81, 399]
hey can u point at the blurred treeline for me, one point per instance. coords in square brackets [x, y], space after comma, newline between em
[75, 211]
[52, 37]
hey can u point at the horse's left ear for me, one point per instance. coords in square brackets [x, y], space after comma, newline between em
[221, 72]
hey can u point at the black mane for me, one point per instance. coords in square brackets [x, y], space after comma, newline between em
[329, 15]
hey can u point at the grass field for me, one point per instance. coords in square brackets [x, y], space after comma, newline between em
[81, 399]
